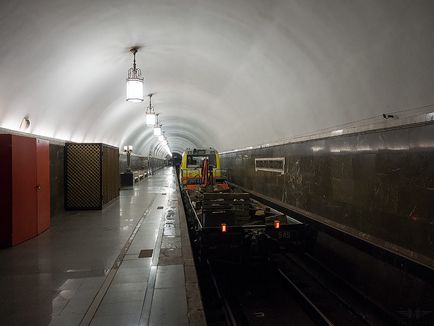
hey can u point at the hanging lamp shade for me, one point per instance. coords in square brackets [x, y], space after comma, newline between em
[157, 127]
[134, 82]
[135, 90]
[157, 131]
[151, 117]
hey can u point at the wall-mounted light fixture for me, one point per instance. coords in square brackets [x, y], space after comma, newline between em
[25, 123]
[150, 118]
[128, 149]
[134, 81]
[389, 116]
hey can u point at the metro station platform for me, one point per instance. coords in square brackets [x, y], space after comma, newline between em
[129, 264]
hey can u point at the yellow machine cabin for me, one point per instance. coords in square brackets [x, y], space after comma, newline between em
[200, 166]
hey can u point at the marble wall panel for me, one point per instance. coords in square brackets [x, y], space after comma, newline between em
[378, 182]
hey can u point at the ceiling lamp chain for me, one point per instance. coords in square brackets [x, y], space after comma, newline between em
[134, 81]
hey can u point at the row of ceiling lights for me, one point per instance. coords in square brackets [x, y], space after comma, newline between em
[135, 94]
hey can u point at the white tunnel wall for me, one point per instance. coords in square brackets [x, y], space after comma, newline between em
[228, 74]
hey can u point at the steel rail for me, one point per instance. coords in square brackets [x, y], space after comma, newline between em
[317, 316]
[229, 316]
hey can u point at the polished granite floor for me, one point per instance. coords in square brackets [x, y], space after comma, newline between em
[86, 268]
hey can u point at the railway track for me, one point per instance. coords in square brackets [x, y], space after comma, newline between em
[275, 294]
[252, 295]
[287, 287]
[354, 301]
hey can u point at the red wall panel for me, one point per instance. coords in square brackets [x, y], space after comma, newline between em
[24, 188]
[24, 199]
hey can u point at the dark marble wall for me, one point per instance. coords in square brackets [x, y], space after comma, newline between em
[140, 163]
[137, 163]
[57, 179]
[380, 182]
[157, 163]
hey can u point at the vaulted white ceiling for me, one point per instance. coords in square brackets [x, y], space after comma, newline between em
[228, 73]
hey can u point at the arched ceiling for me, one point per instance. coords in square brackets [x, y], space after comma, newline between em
[228, 73]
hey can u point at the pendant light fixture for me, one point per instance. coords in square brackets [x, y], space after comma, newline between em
[134, 82]
[150, 118]
[157, 128]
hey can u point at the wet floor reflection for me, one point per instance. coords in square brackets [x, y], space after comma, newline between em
[54, 277]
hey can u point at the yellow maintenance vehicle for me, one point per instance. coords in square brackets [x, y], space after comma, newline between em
[225, 222]
[201, 166]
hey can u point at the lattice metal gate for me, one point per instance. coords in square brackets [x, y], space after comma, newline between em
[91, 175]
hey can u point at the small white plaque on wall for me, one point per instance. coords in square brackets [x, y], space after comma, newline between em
[270, 164]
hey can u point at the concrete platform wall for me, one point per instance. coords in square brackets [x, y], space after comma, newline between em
[380, 183]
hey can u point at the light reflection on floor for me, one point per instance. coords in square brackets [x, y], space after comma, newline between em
[55, 276]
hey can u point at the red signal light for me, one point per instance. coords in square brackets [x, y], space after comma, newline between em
[276, 224]
[224, 227]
